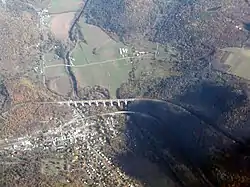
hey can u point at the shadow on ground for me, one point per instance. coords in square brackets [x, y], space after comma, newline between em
[187, 141]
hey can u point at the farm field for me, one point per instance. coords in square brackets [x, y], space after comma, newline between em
[56, 77]
[62, 13]
[60, 25]
[238, 60]
[98, 61]
[50, 59]
[157, 65]
[57, 6]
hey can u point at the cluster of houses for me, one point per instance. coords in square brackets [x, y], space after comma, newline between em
[124, 52]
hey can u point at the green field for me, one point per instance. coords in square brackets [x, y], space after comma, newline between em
[106, 67]
[50, 59]
[64, 5]
[238, 60]
[103, 67]
[156, 66]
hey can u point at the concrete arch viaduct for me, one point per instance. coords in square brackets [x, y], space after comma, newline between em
[97, 102]
[122, 102]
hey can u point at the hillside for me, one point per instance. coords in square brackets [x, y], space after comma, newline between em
[195, 28]
[185, 124]
[127, 19]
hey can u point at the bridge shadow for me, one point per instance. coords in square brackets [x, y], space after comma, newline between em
[176, 143]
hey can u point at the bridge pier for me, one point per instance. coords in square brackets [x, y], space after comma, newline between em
[75, 103]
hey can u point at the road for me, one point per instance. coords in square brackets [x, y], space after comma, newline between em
[98, 63]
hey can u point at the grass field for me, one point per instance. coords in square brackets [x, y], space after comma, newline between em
[57, 77]
[50, 59]
[158, 65]
[62, 13]
[105, 70]
[238, 60]
[106, 67]
[64, 5]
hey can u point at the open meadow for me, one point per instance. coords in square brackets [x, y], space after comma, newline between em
[98, 61]
[238, 61]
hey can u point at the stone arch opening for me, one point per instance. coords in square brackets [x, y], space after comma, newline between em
[85, 104]
[93, 103]
[101, 103]
[116, 103]
[107, 103]
[123, 103]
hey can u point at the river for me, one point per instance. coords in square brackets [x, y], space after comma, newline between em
[68, 62]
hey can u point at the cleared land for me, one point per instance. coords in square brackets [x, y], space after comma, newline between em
[51, 59]
[159, 63]
[99, 47]
[60, 25]
[98, 60]
[60, 85]
[57, 78]
[238, 60]
[63, 14]
[57, 6]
